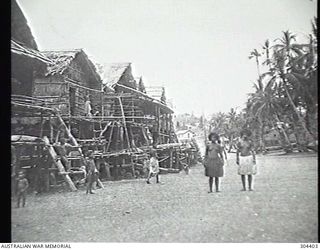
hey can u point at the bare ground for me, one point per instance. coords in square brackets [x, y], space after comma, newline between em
[283, 208]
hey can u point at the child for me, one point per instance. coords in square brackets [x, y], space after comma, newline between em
[22, 184]
[92, 173]
[153, 167]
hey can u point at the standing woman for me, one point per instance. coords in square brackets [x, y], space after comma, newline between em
[246, 159]
[214, 161]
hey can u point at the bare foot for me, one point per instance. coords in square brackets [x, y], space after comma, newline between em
[243, 189]
[209, 192]
[251, 189]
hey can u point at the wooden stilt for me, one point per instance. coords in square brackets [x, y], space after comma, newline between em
[126, 134]
[118, 137]
[171, 158]
[145, 135]
[46, 179]
[74, 141]
[51, 130]
[41, 128]
[59, 164]
[110, 136]
[105, 129]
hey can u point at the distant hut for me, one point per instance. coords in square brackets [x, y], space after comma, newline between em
[117, 74]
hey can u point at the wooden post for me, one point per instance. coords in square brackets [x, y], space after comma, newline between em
[41, 128]
[144, 135]
[127, 136]
[132, 108]
[59, 164]
[110, 136]
[159, 126]
[74, 141]
[46, 179]
[171, 157]
[105, 129]
[117, 137]
[51, 130]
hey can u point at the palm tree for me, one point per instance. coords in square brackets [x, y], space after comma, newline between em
[232, 130]
[218, 122]
[266, 48]
[255, 54]
[264, 104]
[283, 60]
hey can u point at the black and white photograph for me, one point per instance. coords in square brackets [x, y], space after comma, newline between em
[164, 121]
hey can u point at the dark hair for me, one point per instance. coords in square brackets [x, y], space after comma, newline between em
[214, 135]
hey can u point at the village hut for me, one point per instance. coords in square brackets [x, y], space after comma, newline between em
[25, 57]
[72, 85]
[25, 61]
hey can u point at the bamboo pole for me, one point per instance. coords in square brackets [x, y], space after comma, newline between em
[144, 135]
[51, 129]
[59, 164]
[171, 158]
[70, 136]
[74, 141]
[110, 137]
[41, 128]
[126, 133]
[105, 129]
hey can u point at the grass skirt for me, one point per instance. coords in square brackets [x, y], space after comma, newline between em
[246, 166]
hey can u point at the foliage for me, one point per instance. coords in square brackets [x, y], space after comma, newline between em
[286, 93]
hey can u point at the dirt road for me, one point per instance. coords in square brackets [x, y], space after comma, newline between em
[283, 208]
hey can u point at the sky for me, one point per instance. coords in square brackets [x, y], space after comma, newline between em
[197, 49]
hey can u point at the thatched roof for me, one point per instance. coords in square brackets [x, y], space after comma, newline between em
[112, 73]
[149, 99]
[20, 30]
[19, 49]
[63, 59]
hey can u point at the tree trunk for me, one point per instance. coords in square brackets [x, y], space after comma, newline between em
[231, 143]
[284, 133]
[261, 136]
[296, 110]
